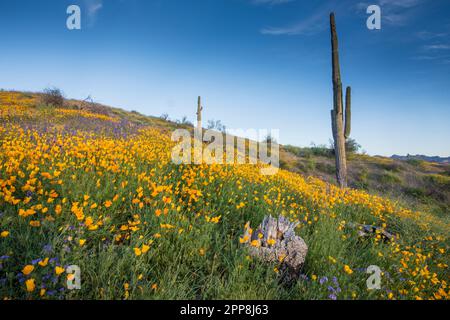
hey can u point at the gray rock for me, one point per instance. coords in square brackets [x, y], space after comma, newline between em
[365, 230]
[275, 241]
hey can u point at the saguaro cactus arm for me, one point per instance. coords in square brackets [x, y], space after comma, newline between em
[348, 112]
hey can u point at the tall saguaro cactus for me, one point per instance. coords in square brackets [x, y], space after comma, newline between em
[341, 124]
[199, 113]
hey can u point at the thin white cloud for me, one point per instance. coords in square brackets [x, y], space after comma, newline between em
[427, 35]
[425, 58]
[394, 12]
[400, 3]
[437, 47]
[309, 26]
[93, 7]
[271, 2]
[438, 58]
[315, 23]
[437, 52]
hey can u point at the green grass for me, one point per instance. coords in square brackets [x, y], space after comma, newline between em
[198, 259]
[174, 262]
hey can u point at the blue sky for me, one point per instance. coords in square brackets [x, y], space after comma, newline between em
[256, 63]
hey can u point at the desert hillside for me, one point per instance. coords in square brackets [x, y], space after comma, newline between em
[93, 186]
[417, 184]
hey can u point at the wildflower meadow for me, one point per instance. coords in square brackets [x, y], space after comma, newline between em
[99, 191]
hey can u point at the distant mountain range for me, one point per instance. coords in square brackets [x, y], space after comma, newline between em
[422, 157]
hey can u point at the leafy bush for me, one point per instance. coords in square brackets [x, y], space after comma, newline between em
[362, 181]
[326, 168]
[293, 149]
[414, 162]
[216, 125]
[393, 167]
[284, 164]
[439, 180]
[53, 97]
[185, 121]
[351, 146]
[319, 150]
[390, 178]
[415, 192]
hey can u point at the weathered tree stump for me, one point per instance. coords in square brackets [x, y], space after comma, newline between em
[275, 241]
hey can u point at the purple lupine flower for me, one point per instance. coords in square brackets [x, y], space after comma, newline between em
[332, 296]
[51, 292]
[46, 277]
[54, 260]
[323, 280]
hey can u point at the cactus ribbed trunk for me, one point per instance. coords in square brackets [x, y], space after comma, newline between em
[199, 114]
[337, 114]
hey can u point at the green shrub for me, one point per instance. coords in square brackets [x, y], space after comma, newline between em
[320, 151]
[437, 179]
[362, 181]
[53, 97]
[351, 146]
[415, 162]
[415, 192]
[326, 168]
[394, 167]
[390, 178]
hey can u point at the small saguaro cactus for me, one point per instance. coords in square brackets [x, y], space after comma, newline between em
[199, 113]
[341, 123]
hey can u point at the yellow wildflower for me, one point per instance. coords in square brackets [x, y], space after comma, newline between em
[27, 269]
[59, 270]
[30, 284]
